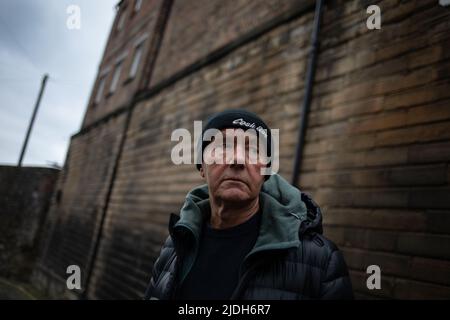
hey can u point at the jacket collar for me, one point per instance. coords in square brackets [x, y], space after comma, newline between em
[284, 213]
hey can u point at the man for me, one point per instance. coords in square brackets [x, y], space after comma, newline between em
[245, 235]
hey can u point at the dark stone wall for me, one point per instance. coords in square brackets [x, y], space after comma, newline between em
[24, 200]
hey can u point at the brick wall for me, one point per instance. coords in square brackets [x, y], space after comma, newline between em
[376, 157]
[377, 146]
[139, 27]
[74, 218]
[195, 29]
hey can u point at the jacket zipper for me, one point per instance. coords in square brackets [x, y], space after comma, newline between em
[243, 276]
[242, 281]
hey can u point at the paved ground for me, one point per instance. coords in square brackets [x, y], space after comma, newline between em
[13, 290]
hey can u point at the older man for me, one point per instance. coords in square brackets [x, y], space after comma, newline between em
[244, 234]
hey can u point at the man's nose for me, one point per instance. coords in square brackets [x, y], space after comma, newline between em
[239, 156]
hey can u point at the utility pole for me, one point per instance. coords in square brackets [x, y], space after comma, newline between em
[30, 126]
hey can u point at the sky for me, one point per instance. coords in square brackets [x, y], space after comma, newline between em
[35, 39]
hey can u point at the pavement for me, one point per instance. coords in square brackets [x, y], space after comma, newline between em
[14, 290]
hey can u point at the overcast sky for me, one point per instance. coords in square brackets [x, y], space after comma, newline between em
[35, 39]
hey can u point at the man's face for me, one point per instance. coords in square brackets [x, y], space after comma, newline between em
[233, 180]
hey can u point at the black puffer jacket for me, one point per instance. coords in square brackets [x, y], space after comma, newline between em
[291, 259]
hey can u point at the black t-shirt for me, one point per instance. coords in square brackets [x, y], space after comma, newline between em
[215, 272]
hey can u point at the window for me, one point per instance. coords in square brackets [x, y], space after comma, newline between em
[121, 21]
[116, 77]
[136, 60]
[100, 89]
[137, 5]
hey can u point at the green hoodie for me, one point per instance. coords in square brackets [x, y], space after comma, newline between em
[282, 212]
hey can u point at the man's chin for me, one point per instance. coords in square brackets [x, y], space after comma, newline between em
[234, 195]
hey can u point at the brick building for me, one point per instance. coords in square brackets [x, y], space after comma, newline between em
[377, 147]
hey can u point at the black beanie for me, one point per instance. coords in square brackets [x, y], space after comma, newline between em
[235, 118]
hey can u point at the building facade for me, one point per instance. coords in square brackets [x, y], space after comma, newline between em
[377, 145]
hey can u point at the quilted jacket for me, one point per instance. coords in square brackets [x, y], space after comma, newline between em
[291, 259]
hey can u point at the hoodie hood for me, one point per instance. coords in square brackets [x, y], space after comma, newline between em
[287, 214]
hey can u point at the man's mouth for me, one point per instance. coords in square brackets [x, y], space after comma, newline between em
[234, 180]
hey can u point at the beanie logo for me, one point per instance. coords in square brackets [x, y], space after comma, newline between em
[252, 125]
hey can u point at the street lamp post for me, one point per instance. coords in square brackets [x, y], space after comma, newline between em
[30, 126]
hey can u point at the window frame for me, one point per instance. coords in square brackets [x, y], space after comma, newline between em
[138, 49]
[116, 81]
[136, 7]
[100, 91]
[121, 20]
